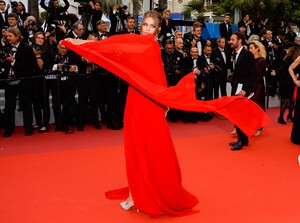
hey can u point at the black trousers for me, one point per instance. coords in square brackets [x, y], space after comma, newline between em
[88, 94]
[24, 90]
[242, 136]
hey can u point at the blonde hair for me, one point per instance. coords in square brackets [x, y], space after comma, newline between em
[261, 48]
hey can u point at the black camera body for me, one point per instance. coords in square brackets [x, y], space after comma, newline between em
[4, 53]
[37, 47]
[31, 23]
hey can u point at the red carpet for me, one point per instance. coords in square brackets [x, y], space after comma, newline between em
[57, 178]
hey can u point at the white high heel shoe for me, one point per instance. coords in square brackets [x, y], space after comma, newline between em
[126, 205]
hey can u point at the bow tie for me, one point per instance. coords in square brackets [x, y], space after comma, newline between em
[102, 35]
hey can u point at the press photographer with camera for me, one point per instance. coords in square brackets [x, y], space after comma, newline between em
[117, 17]
[32, 28]
[96, 15]
[42, 67]
[55, 12]
[194, 39]
[19, 64]
[64, 64]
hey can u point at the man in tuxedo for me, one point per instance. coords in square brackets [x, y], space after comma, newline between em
[194, 38]
[209, 68]
[13, 21]
[130, 23]
[88, 91]
[77, 31]
[221, 58]
[65, 63]
[19, 64]
[3, 17]
[102, 30]
[247, 23]
[225, 28]
[244, 73]
[190, 63]
[291, 35]
[55, 12]
[179, 46]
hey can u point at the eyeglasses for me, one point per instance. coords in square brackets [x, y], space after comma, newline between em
[40, 38]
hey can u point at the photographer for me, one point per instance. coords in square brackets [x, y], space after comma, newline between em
[96, 14]
[89, 92]
[55, 12]
[64, 64]
[19, 64]
[32, 28]
[167, 27]
[41, 69]
[117, 18]
[194, 38]
[172, 62]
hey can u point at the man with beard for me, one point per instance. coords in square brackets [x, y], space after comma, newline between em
[243, 79]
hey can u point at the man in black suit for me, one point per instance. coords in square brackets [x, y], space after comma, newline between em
[190, 63]
[291, 35]
[77, 31]
[246, 22]
[54, 10]
[221, 58]
[19, 64]
[243, 79]
[194, 38]
[13, 21]
[225, 28]
[102, 30]
[130, 23]
[3, 17]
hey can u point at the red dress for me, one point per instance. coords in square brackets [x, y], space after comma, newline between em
[153, 172]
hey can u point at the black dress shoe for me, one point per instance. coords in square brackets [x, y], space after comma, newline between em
[281, 121]
[290, 117]
[7, 134]
[233, 143]
[96, 125]
[239, 145]
[28, 133]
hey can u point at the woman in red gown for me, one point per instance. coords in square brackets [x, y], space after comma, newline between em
[153, 172]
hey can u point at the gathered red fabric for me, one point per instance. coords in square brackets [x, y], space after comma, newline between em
[153, 172]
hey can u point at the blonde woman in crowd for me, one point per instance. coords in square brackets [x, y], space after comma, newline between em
[259, 53]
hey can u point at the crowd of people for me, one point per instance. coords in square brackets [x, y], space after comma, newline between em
[35, 64]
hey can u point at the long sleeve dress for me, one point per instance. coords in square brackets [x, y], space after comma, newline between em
[153, 172]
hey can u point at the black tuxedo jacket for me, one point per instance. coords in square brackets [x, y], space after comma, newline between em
[223, 30]
[107, 34]
[25, 61]
[188, 38]
[187, 64]
[125, 31]
[217, 59]
[244, 72]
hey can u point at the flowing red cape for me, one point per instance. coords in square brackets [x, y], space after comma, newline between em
[134, 58]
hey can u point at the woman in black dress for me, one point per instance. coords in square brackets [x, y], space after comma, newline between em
[295, 135]
[287, 85]
[259, 53]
